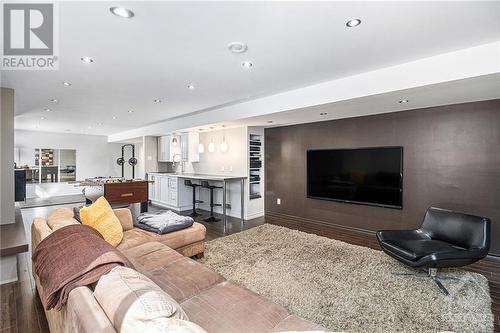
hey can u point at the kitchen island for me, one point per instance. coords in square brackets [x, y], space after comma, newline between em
[167, 188]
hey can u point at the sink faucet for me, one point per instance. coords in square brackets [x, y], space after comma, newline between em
[181, 162]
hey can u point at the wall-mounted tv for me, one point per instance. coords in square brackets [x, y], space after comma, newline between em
[370, 176]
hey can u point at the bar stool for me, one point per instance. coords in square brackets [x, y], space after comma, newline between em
[188, 182]
[211, 218]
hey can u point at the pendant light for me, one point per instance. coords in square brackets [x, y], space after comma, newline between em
[201, 148]
[211, 146]
[223, 146]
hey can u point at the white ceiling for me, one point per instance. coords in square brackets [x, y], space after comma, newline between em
[168, 45]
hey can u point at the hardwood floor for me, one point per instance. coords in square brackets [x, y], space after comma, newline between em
[22, 312]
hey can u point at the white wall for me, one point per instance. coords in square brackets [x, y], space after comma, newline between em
[94, 155]
[7, 156]
[232, 162]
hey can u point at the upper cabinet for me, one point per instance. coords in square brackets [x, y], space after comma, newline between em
[175, 148]
[164, 154]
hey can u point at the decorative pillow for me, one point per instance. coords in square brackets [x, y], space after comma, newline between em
[76, 213]
[132, 302]
[59, 218]
[101, 217]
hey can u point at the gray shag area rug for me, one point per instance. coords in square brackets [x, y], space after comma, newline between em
[345, 287]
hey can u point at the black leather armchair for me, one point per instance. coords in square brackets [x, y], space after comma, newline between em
[445, 239]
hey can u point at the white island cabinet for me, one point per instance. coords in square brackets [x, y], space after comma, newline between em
[169, 192]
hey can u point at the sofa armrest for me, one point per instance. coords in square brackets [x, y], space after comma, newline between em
[125, 217]
[39, 230]
[84, 314]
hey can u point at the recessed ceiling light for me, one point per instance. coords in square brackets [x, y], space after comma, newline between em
[54, 100]
[66, 84]
[353, 23]
[99, 124]
[323, 113]
[157, 100]
[47, 109]
[43, 118]
[403, 101]
[247, 64]
[87, 60]
[122, 12]
[130, 111]
[191, 86]
[237, 47]
[115, 117]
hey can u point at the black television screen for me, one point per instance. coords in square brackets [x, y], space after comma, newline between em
[372, 176]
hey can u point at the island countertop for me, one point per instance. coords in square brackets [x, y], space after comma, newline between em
[201, 176]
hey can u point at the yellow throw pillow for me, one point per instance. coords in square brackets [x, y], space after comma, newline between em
[101, 217]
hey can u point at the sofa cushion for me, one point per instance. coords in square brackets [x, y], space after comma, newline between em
[180, 238]
[132, 238]
[131, 300]
[101, 217]
[151, 255]
[170, 325]
[60, 217]
[227, 307]
[184, 278]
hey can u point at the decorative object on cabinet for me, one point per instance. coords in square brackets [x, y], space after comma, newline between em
[132, 161]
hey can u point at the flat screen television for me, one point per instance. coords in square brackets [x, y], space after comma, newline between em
[370, 176]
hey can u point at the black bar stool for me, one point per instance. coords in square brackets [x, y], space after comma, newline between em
[188, 182]
[212, 218]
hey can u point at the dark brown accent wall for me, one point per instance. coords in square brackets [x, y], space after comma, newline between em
[451, 160]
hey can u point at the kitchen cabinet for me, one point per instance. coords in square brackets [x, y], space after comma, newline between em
[166, 191]
[175, 148]
[164, 154]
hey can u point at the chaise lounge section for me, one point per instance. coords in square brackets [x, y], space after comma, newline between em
[209, 300]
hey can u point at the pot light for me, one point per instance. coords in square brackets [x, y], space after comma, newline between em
[211, 146]
[87, 60]
[353, 23]
[403, 101]
[191, 86]
[130, 111]
[115, 117]
[237, 47]
[323, 113]
[247, 64]
[157, 100]
[42, 118]
[47, 109]
[54, 100]
[201, 148]
[122, 12]
[66, 84]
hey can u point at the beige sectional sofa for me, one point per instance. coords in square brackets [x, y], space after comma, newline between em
[209, 300]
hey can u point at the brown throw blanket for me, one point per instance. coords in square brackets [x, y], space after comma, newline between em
[70, 257]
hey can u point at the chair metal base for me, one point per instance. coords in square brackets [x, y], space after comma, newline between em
[212, 219]
[194, 214]
[432, 273]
